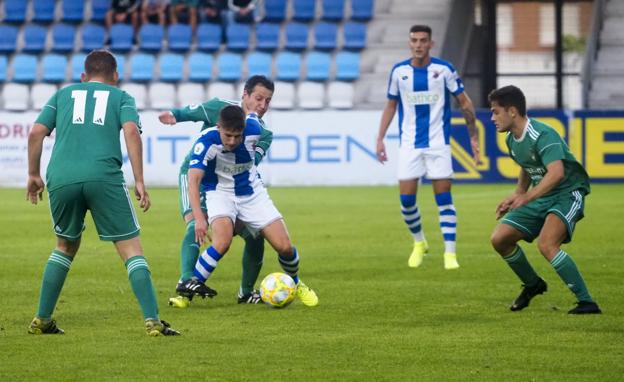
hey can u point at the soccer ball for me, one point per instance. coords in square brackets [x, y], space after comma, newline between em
[278, 289]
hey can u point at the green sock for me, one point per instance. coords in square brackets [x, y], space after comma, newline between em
[53, 279]
[141, 282]
[189, 252]
[518, 262]
[253, 253]
[569, 273]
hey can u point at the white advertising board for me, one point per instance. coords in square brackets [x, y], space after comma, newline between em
[313, 148]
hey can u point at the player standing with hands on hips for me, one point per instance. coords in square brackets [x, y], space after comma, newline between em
[421, 87]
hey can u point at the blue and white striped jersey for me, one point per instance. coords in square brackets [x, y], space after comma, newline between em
[230, 171]
[424, 101]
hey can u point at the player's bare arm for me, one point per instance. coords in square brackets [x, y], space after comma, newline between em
[35, 185]
[468, 111]
[167, 118]
[386, 118]
[195, 176]
[524, 181]
[134, 145]
[554, 176]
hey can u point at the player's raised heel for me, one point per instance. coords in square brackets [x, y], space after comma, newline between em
[419, 251]
[181, 302]
[41, 326]
[450, 261]
[527, 294]
[307, 296]
[156, 328]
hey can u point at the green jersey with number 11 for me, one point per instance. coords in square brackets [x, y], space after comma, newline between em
[87, 117]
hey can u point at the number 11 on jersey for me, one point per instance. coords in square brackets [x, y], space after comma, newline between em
[80, 104]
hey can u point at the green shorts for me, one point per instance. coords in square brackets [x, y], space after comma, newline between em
[110, 206]
[529, 219]
[184, 202]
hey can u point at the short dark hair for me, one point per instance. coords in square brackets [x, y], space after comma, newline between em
[232, 117]
[255, 80]
[100, 63]
[421, 28]
[508, 96]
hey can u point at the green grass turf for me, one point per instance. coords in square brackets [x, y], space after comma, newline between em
[378, 320]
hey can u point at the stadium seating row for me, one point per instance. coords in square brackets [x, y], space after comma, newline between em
[198, 67]
[44, 11]
[179, 37]
[73, 11]
[162, 96]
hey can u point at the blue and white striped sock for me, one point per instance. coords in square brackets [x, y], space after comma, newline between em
[448, 220]
[206, 264]
[411, 216]
[291, 266]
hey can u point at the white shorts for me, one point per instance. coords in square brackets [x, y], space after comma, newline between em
[435, 163]
[257, 210]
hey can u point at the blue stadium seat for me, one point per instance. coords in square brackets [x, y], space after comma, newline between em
[288, 65]
[179, 37]
[15, 11]
[267, 36]
[121, 66]
[53, 66]
[151, 37]
[43, 11]
[73, 11]
[63, 37]
[296, 36]
[8, 38]
[303, 10]
[77, 66]
[209, 37]
[229, 65]
[24, 68]
[200, 67]
[259, 63]
[274, 10]
[354, 36]
[34, 38]
[237, 36]
[121, 37]
[141, 67]
[3, 68]
[317, 66]
[171, 67]
[362, 10]
[325, 36]
[333, 10]
[99, 9]
[347, 66]
[93, 37]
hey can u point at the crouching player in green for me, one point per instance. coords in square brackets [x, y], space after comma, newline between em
[547, 203]
[84, 173]
[256, 98]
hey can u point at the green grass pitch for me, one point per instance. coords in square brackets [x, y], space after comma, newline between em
[378, 320]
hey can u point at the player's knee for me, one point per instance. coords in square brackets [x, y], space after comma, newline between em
[68, 247]
[500, 242]
[222, 246]
[547, 248]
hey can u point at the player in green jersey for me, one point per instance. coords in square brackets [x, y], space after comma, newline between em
[256, 98]
[547, 203]
[84, 173]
